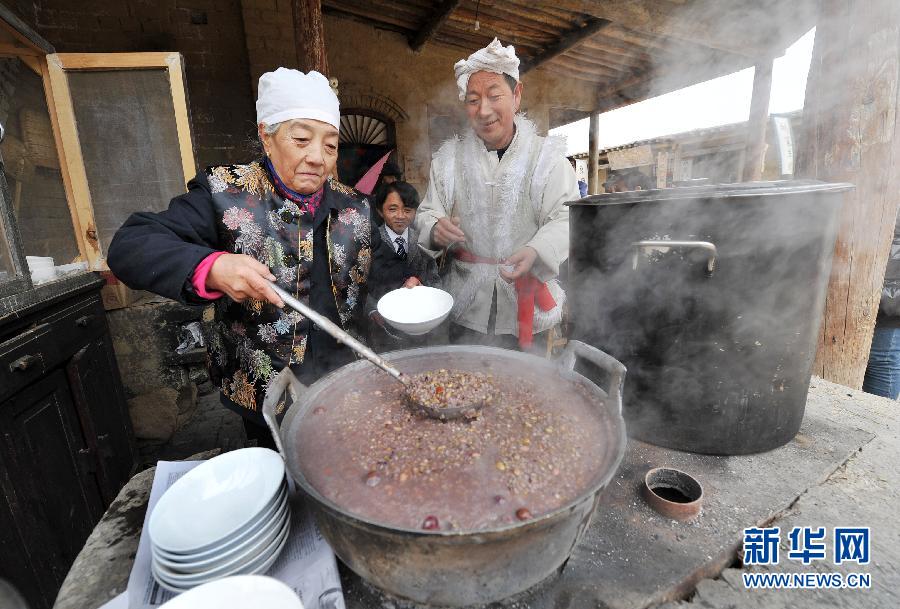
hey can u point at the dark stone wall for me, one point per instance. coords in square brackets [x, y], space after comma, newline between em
[208, 33]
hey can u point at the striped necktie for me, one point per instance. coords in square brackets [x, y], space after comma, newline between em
[401, 251]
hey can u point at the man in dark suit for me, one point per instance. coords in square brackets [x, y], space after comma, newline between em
[396, 204]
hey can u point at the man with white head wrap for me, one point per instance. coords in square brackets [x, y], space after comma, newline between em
[280, 218]
[495, 201]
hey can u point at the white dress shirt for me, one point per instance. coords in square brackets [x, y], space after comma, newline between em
[393, 237]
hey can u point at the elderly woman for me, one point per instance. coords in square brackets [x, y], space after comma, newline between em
[280, 219]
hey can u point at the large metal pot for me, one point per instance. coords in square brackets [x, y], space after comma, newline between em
[447, 568]
[713, 298]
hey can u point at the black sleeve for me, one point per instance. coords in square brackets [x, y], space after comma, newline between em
[158, 252]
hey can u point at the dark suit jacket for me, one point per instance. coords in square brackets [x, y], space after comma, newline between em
[389, 272]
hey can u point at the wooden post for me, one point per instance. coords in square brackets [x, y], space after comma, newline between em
[593, 155]
[850, 133]
[759, 118]
[309, 32]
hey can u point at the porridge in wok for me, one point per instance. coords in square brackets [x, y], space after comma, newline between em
[528, 452]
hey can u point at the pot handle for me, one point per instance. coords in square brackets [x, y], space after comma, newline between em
[613, 367]
[283, 381]
[711, 251]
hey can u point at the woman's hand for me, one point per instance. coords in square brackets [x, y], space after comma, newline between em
[446, 232]
[242, 277]
[521, 261]
[412, 282]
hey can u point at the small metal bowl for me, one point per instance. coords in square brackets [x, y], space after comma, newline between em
[673, 493]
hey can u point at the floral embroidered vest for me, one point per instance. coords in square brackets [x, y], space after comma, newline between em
[256, 339]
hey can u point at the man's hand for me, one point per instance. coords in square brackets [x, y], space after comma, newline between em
[242, 277]
[446, 231]
[521, 261]
[412, 282]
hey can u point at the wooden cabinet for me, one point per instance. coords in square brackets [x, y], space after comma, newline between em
[66, 445]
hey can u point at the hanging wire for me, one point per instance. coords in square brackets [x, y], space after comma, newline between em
[477, 6]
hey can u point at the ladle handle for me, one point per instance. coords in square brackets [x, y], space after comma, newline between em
[613, 367]
[337, 332]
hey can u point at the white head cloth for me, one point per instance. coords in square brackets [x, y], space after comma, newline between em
[288, 94]
[494, 58]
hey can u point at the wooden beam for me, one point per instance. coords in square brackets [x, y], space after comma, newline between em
[309, 34]
[359, 18]
[107, 61]
[83, 216]
[851, 134]
[496, 27]
[508, 16]
[566, 42]
[589, 69]
[613, 46]
[593, 154]
[435, 20]
[751, 29]
[605, 59]
[19, 50]
[759, 119]
[473, 40]
[375, 12]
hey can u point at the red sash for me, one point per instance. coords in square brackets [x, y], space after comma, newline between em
[529, 290]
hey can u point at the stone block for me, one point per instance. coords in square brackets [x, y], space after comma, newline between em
[154, 414]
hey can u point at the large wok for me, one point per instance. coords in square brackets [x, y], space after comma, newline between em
[450, 568]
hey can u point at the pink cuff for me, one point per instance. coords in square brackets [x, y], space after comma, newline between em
[198, 279]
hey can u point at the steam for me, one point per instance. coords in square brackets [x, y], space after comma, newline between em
[718, 362]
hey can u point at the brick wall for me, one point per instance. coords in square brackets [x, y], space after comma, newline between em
[210, 35]
[269, 28]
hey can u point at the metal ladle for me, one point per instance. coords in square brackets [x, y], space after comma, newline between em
[342, 336]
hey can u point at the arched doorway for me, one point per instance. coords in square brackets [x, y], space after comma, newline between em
[365, 136]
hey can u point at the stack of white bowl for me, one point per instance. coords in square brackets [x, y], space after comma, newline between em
[41, 268]
[227, 516]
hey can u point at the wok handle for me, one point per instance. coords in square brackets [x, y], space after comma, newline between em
[613, 367]
[710, 248]
[283, 381]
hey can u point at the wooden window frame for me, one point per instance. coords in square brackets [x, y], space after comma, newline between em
[33, 56]
[65, 127]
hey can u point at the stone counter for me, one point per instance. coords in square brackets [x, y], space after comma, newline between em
[633, 557]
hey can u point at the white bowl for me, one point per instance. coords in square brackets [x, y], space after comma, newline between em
[238, 592]
[216, 500]
[259, 564]
[253, 531]
[238, 555]
[415, 310]
[265, 545]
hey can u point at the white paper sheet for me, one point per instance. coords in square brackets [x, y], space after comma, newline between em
[307, 564]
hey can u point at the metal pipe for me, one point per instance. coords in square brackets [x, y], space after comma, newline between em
[338, 333]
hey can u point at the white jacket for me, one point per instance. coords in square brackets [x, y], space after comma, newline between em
[503, 205]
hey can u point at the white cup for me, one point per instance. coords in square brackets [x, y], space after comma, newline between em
[39, 263]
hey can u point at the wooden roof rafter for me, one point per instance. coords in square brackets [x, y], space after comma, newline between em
[433, 23]
[568, 40]
[625, 48]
